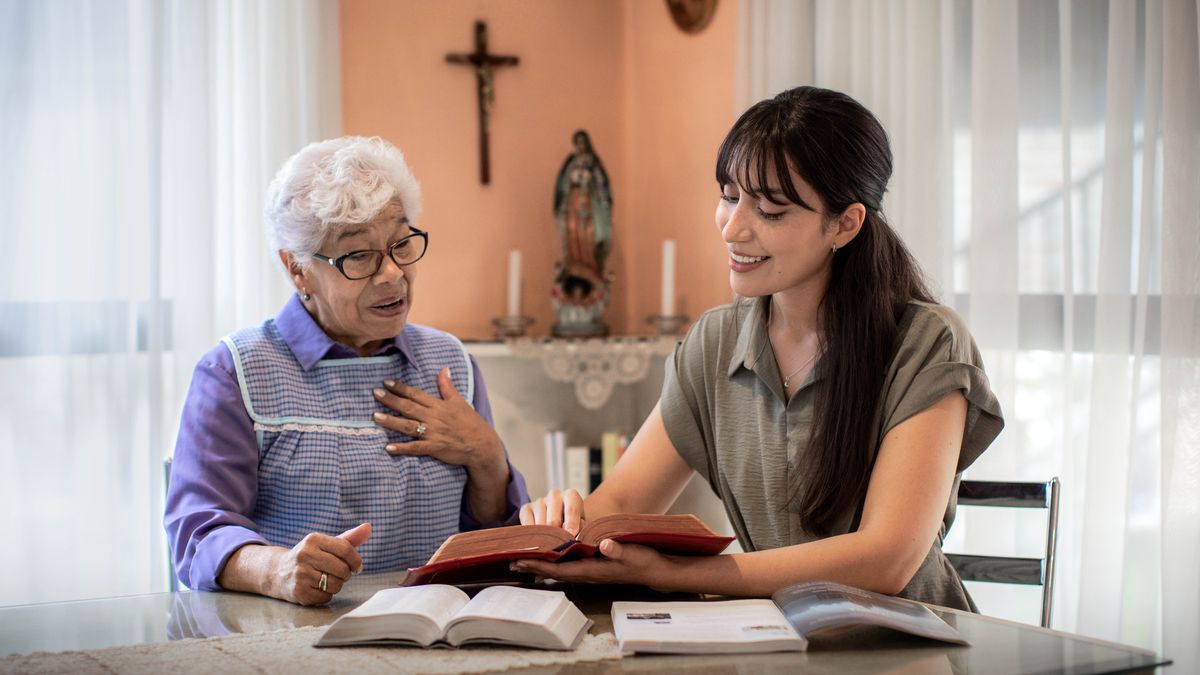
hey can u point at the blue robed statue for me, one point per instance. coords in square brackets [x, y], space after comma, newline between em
[583, 211]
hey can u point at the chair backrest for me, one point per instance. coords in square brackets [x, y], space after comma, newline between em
[172, 580]
[1009, 570]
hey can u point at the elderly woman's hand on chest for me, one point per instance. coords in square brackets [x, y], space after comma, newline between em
[445, 428]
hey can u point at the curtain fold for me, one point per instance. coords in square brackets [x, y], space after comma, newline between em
[143, 135]
[1105, 505]
[1180, 497]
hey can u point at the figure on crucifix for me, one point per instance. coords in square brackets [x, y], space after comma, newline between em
[583, 211]
[485, 65]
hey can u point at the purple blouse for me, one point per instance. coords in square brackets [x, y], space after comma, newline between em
[214, 473]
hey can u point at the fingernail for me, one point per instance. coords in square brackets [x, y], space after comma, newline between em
[379, 393]
[516, 567]
[391, 447]
[378, 415]
[389, 383]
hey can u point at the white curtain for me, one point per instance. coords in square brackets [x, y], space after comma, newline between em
[1048, 179]
[139, 139]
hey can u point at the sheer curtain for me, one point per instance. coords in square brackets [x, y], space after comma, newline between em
[140, 136]
[1047, 179]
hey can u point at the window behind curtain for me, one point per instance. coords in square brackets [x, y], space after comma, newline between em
[131, 190]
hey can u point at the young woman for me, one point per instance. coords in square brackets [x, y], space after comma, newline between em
[831, 407]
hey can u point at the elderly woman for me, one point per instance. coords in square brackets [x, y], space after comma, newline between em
[291, 470]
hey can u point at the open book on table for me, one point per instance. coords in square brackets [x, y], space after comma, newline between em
[444, 615]
[483, 556]
[782, 623]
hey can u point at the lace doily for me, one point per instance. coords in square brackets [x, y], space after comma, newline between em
[596, 366]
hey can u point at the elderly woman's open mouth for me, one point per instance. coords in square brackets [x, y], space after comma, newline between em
[391, 306]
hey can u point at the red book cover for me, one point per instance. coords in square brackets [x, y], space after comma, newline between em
[483, 556]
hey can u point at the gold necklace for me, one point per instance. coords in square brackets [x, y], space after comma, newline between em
[787, 380]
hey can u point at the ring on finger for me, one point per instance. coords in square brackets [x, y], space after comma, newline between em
[324, 583]
[421, 429]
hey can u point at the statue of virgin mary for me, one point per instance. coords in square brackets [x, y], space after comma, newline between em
[583, 211]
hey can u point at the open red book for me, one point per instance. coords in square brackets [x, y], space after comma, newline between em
[483, 556]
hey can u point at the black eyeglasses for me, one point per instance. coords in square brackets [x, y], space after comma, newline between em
[362, 264]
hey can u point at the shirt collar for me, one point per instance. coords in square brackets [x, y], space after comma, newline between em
[310, 344]
[751, 347]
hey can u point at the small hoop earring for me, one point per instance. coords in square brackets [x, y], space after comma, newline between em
[305, 296]
[835, 248]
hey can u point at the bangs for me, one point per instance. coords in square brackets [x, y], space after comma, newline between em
[753, 154]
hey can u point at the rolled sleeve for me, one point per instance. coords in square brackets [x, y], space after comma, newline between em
[685, 403]
[682, 416]
[937, 357]
[517, 494]
[214, 475]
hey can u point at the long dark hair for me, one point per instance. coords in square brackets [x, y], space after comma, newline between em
[839, 148]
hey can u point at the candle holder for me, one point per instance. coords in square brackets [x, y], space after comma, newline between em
[511, 326]
[668, 325]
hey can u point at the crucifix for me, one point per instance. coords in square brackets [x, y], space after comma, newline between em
[484, 65]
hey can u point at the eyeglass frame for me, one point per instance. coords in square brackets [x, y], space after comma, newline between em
[340, 260]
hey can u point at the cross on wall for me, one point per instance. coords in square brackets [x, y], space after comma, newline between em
[484, 65]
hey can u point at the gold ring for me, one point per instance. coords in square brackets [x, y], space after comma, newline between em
[324, 582]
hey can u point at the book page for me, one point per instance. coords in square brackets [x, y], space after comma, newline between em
[513, 538]
[597, 530]
[509, 603]
[819, 605]
[437, 603]
[519, 616]
[703, 627]
[416, 614]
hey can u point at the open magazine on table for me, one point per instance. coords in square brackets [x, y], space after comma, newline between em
[782, 623]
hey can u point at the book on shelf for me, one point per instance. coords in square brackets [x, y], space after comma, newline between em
[782, 623]
[595, 469]
[556, 460]
[612, 446]
[446, 616]
[483, 556]
[579, 475]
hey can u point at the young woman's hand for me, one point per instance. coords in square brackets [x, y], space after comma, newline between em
[618, 564]
[560, 509]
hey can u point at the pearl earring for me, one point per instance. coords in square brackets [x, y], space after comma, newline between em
[305, 296]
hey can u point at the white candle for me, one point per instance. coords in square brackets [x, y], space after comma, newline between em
[514, 283]
[668, 277]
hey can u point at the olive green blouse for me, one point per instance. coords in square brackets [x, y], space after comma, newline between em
[725, 411]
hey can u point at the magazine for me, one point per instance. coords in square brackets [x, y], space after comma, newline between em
[782, 623]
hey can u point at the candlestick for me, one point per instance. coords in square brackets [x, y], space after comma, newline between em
[668, 277]
[514, 283]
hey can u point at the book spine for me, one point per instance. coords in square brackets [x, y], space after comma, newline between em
[610, 443]
[578, 472]
[595, 468]
[555, 445]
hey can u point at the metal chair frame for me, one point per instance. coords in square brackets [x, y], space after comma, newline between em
[1010, 570]
[172, 580]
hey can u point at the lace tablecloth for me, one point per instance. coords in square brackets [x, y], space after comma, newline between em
[291, 651]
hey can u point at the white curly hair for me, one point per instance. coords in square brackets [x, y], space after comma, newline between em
[331, 184]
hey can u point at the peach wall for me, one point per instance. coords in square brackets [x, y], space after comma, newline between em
[655, 101]
[682, 90]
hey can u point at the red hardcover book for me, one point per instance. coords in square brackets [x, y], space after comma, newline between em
[483, 556]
